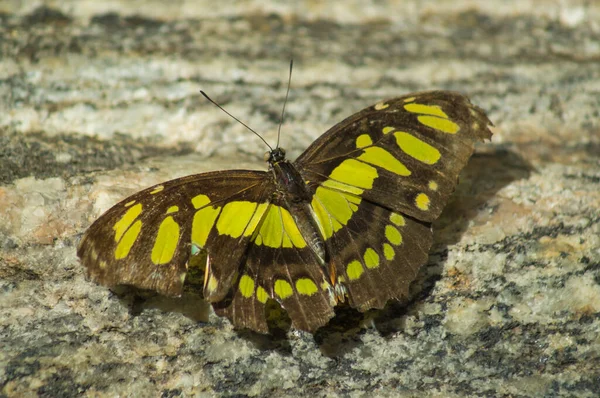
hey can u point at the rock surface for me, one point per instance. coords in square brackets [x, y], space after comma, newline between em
[101, 99]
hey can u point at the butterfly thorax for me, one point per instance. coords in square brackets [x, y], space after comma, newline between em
[292, 191]
[289, 183]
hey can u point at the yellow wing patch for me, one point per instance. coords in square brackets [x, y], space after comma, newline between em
[166, 241]
[157, 189]
[261, 295]
[393, 235]
[388, 252]
[338, 197]
[306, 286]
[202, 223]
[363, 140]
[172, 209]
[283, 289]
[200, 201]
[381, 106]
[339, 186]
[433, 116]
[444, 125]
[397, 219]
[371, 258]
[380, 157]
[127, 241]
[416, 148]
[423, 109]
[422, 201]
[354, 270]
[246, 286]
[355, 173]
[125, 222]
[333, 209]
[236, 216]
[278, 229]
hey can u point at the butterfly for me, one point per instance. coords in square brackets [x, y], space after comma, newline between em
[348, 222]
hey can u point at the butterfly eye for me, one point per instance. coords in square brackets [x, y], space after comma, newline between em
[267, 156]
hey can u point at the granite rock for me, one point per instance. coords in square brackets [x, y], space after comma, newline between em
[101, 99]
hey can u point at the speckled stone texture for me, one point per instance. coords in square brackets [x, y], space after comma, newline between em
[100, 99]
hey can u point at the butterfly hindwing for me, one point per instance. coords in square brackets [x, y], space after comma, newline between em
[147, 239]
[280, 266]
[378, 254]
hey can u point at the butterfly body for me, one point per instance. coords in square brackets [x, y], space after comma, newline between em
[348, 221]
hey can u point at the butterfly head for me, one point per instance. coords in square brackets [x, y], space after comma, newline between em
[275, 156]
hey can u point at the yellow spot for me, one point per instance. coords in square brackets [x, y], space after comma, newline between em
[434, 110]
[129, 203]
[246, 286]
[342, 187]
[256, 217]
[433, 185]
[94, 254]
[200, 201]
[393, 235]
[388, 251]
[278, 229]
[380, 106]
[262, 295]
[172, 209]
[422, 201]
[354, 270]
[235, 217]
[306, 286]
[202, 223]
[283, 289]
[129, 238]
[380, 157]
[325, 285]
[166, 242]
[213, 284]
[397, 219]
[333, 209]
[416, 148]
[363, 140]
[388, 129]
[371, 258]
[182, 277]
[353, 172]
[128, 218]
[409, 99]
[102, 264]
[157, 189]
[443, 125]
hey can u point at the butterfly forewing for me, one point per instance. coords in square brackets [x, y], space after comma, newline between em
[409, 151]
[147, 239]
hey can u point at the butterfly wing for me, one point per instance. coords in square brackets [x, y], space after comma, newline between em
[405, 153]
[280, 266]
[379, 179]
[147, 239]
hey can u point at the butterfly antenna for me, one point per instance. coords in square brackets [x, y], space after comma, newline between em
[235, 118]
[284, 102]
